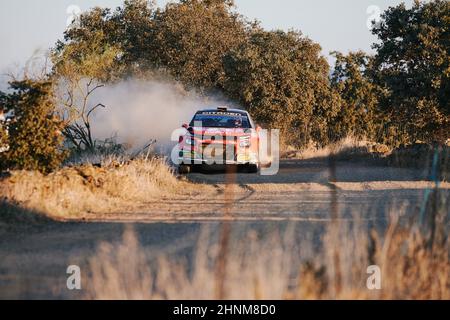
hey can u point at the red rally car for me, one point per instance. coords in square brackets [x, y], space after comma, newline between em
[220, 136]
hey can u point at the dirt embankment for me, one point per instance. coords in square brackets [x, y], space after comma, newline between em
[73, 191]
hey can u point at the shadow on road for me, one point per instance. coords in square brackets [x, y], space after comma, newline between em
[317, 171]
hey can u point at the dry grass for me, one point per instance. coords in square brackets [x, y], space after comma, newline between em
[346, 149]
[72, 191]
[413, 257]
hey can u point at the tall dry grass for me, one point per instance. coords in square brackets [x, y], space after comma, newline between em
[413, 257]
[72, 191]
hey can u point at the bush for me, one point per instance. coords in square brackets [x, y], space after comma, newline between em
[34, 132]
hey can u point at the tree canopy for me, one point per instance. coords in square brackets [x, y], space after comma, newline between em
[282, 79]
[350, 78]
[412, 62]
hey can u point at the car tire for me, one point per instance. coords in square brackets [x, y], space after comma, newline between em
[184, 169]
[252, 168]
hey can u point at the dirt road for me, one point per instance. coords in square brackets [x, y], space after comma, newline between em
[34, 260]
[302, 190]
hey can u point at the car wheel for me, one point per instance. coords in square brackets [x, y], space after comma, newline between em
[252, 168]
[184, 169]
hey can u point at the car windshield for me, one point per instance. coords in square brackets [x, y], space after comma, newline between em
[220, 120]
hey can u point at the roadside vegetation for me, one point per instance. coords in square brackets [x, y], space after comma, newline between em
[412, 255]
[74, 191]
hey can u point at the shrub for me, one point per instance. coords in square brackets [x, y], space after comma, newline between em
[34, 132]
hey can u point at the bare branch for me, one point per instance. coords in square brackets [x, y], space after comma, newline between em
[100, 105]
[95, 88]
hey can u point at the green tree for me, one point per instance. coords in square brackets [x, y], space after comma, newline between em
[185, 40]
[134, 35]
[358, 115]
[413, 63]
[283, 81]
[193, 36]
[34, 133]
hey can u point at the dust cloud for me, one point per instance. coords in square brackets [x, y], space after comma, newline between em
[138, 111]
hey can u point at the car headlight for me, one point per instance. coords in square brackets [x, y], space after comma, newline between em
[189, 141]
[244, 141]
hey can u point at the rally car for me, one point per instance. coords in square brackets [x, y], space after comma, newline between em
[220, 136]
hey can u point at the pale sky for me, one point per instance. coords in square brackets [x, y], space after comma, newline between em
[30, 25]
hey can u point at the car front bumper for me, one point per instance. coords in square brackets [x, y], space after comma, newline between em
[189, 157]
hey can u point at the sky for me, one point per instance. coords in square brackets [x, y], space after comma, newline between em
[30, 26]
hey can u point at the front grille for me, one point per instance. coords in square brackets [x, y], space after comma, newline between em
[219, 151]
[212, 149]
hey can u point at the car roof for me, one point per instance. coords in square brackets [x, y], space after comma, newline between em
[228, 110]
